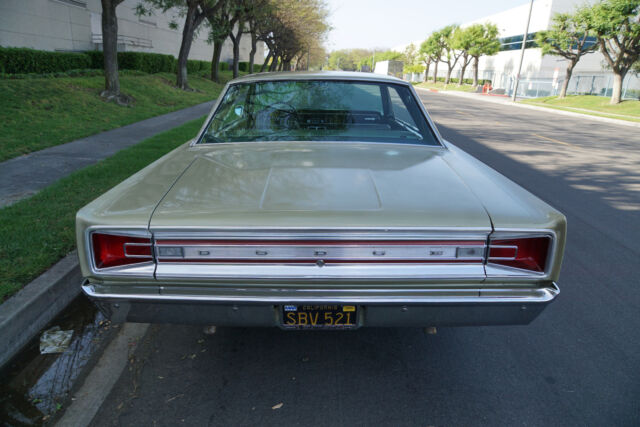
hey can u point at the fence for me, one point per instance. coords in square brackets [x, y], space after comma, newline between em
[534, 87]
[599, 85]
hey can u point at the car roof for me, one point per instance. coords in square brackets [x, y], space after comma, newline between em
[318, 75]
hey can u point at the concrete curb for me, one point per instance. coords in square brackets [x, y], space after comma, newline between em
[23, 315]
[533, 107]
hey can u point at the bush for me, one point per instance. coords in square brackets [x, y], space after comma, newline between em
[31, 63]
[193, 66]
[141, 61]
[71, 73]
[243, 66]
[147, 62]
[22, 61]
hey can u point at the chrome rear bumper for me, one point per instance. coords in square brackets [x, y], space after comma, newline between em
[379, 307]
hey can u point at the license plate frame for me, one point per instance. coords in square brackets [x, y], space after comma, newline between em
[319, 316]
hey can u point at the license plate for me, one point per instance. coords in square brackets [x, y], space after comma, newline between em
[319, 316]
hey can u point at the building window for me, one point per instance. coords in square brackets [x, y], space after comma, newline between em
[515, 42]
[77, 3]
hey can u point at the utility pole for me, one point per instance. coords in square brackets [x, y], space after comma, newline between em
[524, 45]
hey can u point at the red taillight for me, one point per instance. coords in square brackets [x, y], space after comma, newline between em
[112, 250]
[529, 253]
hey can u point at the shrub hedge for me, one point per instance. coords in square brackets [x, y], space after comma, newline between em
[141, 61]
[22, 60]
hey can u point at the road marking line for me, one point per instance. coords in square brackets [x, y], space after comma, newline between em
[553, 140]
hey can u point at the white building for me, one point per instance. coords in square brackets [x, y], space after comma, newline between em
[391, 68]
[75, 25]
[540, 75]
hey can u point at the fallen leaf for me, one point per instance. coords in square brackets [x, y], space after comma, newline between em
[278, 406]
[174, 397]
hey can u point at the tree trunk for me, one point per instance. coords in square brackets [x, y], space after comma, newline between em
[476, 60]
[616, 93]
[252, 53]
[265, 64]
[191, 22]
[462, 71]
[215, 60]
[274, 62]
[448, 79]
[435, 73]
[567, 77]
[110, 48]
[235, 39]
[426, 71]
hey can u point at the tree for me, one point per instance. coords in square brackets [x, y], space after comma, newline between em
[450, 54]
[463, 40]
[485, 42]
[410, 54]
[617, 26]
[110, 51]
[427, 57]
[290, 28]
[568, 37]
[194, 12]
[238, 20]
[220, 25]
[433, 47]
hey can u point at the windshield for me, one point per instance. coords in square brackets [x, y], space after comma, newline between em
[319, 110]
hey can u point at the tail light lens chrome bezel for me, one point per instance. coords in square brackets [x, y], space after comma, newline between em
[137, 264]
[497, 262]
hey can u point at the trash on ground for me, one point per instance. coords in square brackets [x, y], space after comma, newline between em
[55, 340]
[278, 406]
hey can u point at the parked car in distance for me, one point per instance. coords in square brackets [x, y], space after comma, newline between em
[320, 200]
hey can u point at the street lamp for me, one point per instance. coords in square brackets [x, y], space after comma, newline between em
[524, 45]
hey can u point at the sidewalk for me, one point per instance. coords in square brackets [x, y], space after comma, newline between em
[24, 176]
[507, 101]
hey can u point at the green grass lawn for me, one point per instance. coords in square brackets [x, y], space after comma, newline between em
[442, 86]
[40, 113]
[37, 232]
[593, 105]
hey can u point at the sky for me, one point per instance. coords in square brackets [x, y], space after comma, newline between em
[389, 23]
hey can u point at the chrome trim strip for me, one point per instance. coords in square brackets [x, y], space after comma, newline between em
[370, 272]
[302, 251]
[342, 296]
[307, 233]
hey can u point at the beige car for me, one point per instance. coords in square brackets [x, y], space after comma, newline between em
[320, 200]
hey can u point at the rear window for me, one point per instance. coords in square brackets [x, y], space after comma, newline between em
[318, 110]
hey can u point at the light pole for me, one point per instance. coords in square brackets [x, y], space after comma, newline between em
[524, 46]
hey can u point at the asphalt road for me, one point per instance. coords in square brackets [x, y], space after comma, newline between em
[577, 364]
